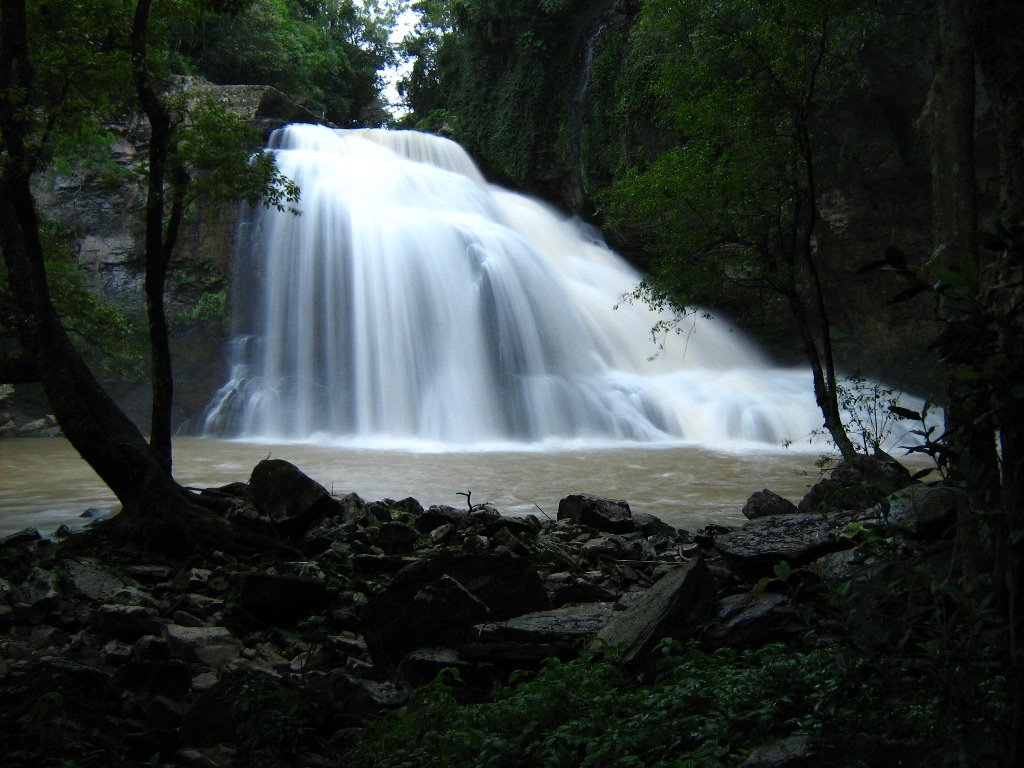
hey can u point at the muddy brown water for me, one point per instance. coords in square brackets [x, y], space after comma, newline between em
[43, 482]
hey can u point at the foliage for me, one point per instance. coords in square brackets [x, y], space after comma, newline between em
[325, 53]
[701, 709]
[495, 75]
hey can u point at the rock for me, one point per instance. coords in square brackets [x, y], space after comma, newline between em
[791, 752]
[564, 588]
[707, 535]
[423, 665]
[376, 565]
[395, 538]
[128, 622]
[209, 646]
[764, 503]
[920, 509]
[281, 600]
[537, 636]
[293, 501]
[606, 515]
[748, 620]
[758, 546]
[155, 678]
[436, 516]
[601, 548]
[857, 485]
[441, 613]
[24, 536]
[652, 525]
[503, 584]
[89, 580]
[674, 606]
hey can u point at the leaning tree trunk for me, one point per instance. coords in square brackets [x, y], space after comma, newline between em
[96, 427]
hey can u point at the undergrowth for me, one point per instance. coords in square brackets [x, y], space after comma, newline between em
[699, 708]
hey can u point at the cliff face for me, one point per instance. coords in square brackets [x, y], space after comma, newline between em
[98, 212]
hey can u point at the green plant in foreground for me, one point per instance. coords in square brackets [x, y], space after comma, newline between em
[701, 709]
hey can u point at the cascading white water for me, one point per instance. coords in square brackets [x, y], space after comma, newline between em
[411, 303]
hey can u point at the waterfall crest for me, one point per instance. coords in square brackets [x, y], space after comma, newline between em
[411, 303]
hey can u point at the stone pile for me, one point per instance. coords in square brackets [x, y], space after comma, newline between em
[210, 661]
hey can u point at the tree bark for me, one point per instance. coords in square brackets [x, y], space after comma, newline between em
[999, 47]
[158, 244]
[104, 436]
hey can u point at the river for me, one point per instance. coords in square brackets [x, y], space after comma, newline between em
[43, 482]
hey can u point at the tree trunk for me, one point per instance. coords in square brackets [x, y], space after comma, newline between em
[999, 46]
[104, 436]
[158, 245]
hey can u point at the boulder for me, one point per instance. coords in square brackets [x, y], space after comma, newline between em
[606, 515]
[293, 501]
[919, 509]
[755, 548]
[674, 606]
[748, 620]
[764, 503]
[24, 536]
[857, 485]
[652, 525]
[504, 584]
[395, 538]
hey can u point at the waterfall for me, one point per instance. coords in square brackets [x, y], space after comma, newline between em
[411, 304]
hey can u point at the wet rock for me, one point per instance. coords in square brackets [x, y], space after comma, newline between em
[24, 536]
[606, 515]
[674, 606]
[748, 620]
[758, 546]
[280, 600]
[765, 503]
[293, 501]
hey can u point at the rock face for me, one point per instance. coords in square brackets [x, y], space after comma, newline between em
[100, 207]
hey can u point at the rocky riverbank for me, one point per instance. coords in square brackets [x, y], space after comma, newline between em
[225, 660]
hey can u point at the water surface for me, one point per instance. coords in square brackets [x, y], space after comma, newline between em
[43, 482]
